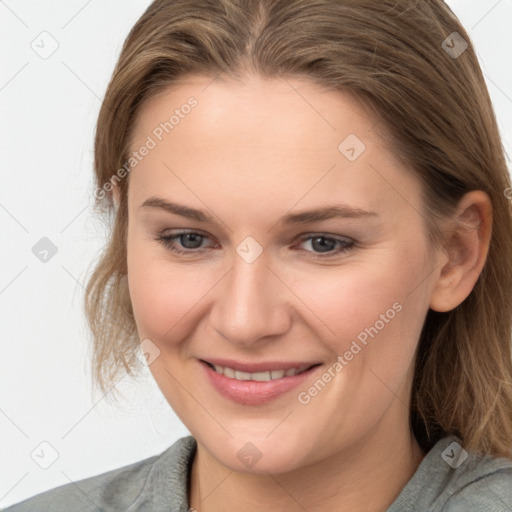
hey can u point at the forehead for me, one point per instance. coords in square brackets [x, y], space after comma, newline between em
[257, 105]
[267, 135]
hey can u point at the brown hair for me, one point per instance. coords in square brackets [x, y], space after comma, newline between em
[436, 115]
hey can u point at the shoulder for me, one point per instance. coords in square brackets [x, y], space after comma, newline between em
[133, 487]
[485, 485]
[450, 479]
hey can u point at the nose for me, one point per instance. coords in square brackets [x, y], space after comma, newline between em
[251, 303]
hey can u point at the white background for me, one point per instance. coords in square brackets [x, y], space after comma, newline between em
[48, 111]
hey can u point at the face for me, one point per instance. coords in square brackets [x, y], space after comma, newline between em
[246, 279]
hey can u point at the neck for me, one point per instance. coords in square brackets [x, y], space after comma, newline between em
[368, 475]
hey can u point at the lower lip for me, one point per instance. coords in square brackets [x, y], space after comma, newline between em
[252, 392]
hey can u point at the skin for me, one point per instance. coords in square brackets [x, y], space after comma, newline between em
[249, 153]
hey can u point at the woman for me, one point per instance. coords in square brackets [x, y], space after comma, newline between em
[311, 247]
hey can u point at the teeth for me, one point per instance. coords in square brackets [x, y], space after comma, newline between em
[259, 376]
[228, 372]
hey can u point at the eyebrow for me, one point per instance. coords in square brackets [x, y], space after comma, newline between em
[302, 217]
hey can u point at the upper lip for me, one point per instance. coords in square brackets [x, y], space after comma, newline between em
[261, 366]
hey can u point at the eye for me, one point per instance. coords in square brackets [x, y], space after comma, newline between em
[327, 246]
[189, 242]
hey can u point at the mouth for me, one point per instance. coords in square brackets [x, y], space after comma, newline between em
[262, 375]
[256, 384]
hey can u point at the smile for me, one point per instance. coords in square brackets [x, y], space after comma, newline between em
[257, 383]
[231, 373]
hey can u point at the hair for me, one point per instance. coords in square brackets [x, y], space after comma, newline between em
[434, 113]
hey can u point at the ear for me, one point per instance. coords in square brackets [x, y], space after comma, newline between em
[116, 195]
[465, 253]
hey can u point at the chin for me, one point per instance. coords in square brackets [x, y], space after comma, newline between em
[260, 456]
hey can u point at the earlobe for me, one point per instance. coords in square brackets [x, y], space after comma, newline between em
[465, 252]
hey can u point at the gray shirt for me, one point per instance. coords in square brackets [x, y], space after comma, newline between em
[448, 480]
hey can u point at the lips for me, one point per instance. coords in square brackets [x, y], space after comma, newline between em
[253, 391]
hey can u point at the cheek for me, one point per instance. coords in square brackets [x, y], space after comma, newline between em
[162, 299]
[167, 297]
[374, 304]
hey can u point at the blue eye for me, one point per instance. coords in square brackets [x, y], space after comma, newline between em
[326, 245]
[191, 242]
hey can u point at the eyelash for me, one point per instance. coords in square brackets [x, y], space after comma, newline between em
[168, 243]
